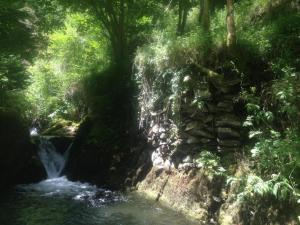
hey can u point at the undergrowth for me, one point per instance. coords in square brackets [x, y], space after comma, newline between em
[267, 31]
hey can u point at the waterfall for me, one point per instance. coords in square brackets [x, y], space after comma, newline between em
[53, 161]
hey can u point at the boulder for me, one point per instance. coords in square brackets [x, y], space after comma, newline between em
[19, 162]
[62, 128]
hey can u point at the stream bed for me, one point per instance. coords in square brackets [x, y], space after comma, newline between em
[59, 201]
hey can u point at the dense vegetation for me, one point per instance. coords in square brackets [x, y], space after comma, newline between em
[73, 60]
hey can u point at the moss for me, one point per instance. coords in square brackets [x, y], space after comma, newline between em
[62, 127]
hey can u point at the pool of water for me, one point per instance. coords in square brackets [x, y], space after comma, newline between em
[61, 202]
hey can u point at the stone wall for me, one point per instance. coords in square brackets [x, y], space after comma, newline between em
[206, 118]
[181, 123]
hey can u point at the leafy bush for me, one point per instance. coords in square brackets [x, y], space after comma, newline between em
[210, 162]
[74, 51]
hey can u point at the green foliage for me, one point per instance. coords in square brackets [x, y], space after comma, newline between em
[210, 162]
[13, 75]
[278, 187]
[268, 33]
[167, 50]
[17, 30]
[74, 51]
[17, 37]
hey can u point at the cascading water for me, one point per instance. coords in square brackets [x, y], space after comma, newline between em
[60, 201]
[53, 161]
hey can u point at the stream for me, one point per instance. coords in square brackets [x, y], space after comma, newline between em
[58, 201]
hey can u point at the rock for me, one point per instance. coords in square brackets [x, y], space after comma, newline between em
[177, 142]
[187, 159]
[157, 159]
[225, 106]
[19, 161]
[155, 143]
[161, 130]
[209, 129]
[154, 129]
[211, 107]
[193, 140]
[187, 79]
[201, 133]
[232, 81]
[196, 115]
[229, 143]
[208, 119]
[192, 125]
[205, 140]
[186, 166]
[163, 136]
[228, 121]
[228, 149]
[163, 143]
[168, 164]
[62, 128]
[227, 133]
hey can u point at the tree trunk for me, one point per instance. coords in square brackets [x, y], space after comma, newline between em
[205, 14]
[231, 34]
[179, 17]
[184, 6]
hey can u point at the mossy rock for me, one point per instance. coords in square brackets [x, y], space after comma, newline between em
[61, 127]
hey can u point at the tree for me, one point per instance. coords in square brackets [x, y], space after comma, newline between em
[204, 17]
[121, 21]
[18, 47]
[113, 16]
[231, 34]
[184, 6]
